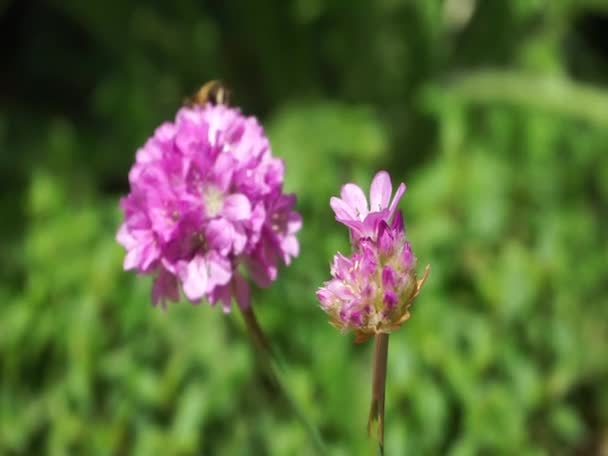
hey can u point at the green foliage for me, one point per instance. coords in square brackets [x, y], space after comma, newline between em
[494, 113]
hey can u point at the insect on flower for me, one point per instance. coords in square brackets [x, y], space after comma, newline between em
[214, 92]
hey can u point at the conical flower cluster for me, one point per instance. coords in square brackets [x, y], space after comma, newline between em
[371, 291]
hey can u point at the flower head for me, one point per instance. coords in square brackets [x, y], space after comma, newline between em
[372, 290]
[207, 196]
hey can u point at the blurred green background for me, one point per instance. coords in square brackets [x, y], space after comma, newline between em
[495, 114]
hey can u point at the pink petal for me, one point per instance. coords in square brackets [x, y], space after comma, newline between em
[294, 223]
[150, 254]
[194, 278]
[262, 274]
[357, 228]
[342, 210]
[237, 207]
[219, 234]
[262, 266]
[380, 191]
[397, 223]
[291, 248]
[219, 270]
[339, 289]
[132, 259]
[170, 266]
[385, 238]
[234, 132]
[164, 288]
[124, 237]
[239, 239]
[398, 194]
[165, 132]
[340, 266]
[223, 170]
[370, 224]
[222, 294]
[142, 255]
[258, 217]
[354, 197]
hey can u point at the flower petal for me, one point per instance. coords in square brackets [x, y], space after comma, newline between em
[290, 248]
[397, 224]
[237, 207]
[124, 237]
[294, 222]
[354, 197]
[222, 294]
[398, 194]
[340, 266]
[219, 270]
[194, 278]
[142, 255]
[219, 234]
[132, 259]
[262, 266]
[385, 239]
[342, 210]
[164, 288]
[223, 170]
[380, 191]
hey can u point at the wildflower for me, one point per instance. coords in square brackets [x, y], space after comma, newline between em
[207, 197]
[352, 208]
[372, 290]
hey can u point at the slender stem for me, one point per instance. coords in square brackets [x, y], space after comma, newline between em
[375, 424]
[255, 330]
[275, 371]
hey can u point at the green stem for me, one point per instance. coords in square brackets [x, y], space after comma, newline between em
[255, 331]
[375, 424]
[275, 371]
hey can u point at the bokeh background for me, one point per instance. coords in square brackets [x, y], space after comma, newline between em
[495, 114]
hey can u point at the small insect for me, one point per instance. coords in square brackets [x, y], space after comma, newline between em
[214, 92]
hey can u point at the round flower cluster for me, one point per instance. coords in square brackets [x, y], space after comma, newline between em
[207, 196]
[371, 291]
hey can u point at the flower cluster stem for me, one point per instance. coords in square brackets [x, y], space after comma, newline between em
[255, 330]
[270, 362]
[375, 425]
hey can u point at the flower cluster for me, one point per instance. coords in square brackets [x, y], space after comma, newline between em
[207, 196]
[371, 291]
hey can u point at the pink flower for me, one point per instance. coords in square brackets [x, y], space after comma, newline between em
[206, 197]
[371, 291]
[353, 210]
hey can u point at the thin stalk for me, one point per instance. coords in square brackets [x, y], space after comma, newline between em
[255, 331]
[375, 424]
[275, 372]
